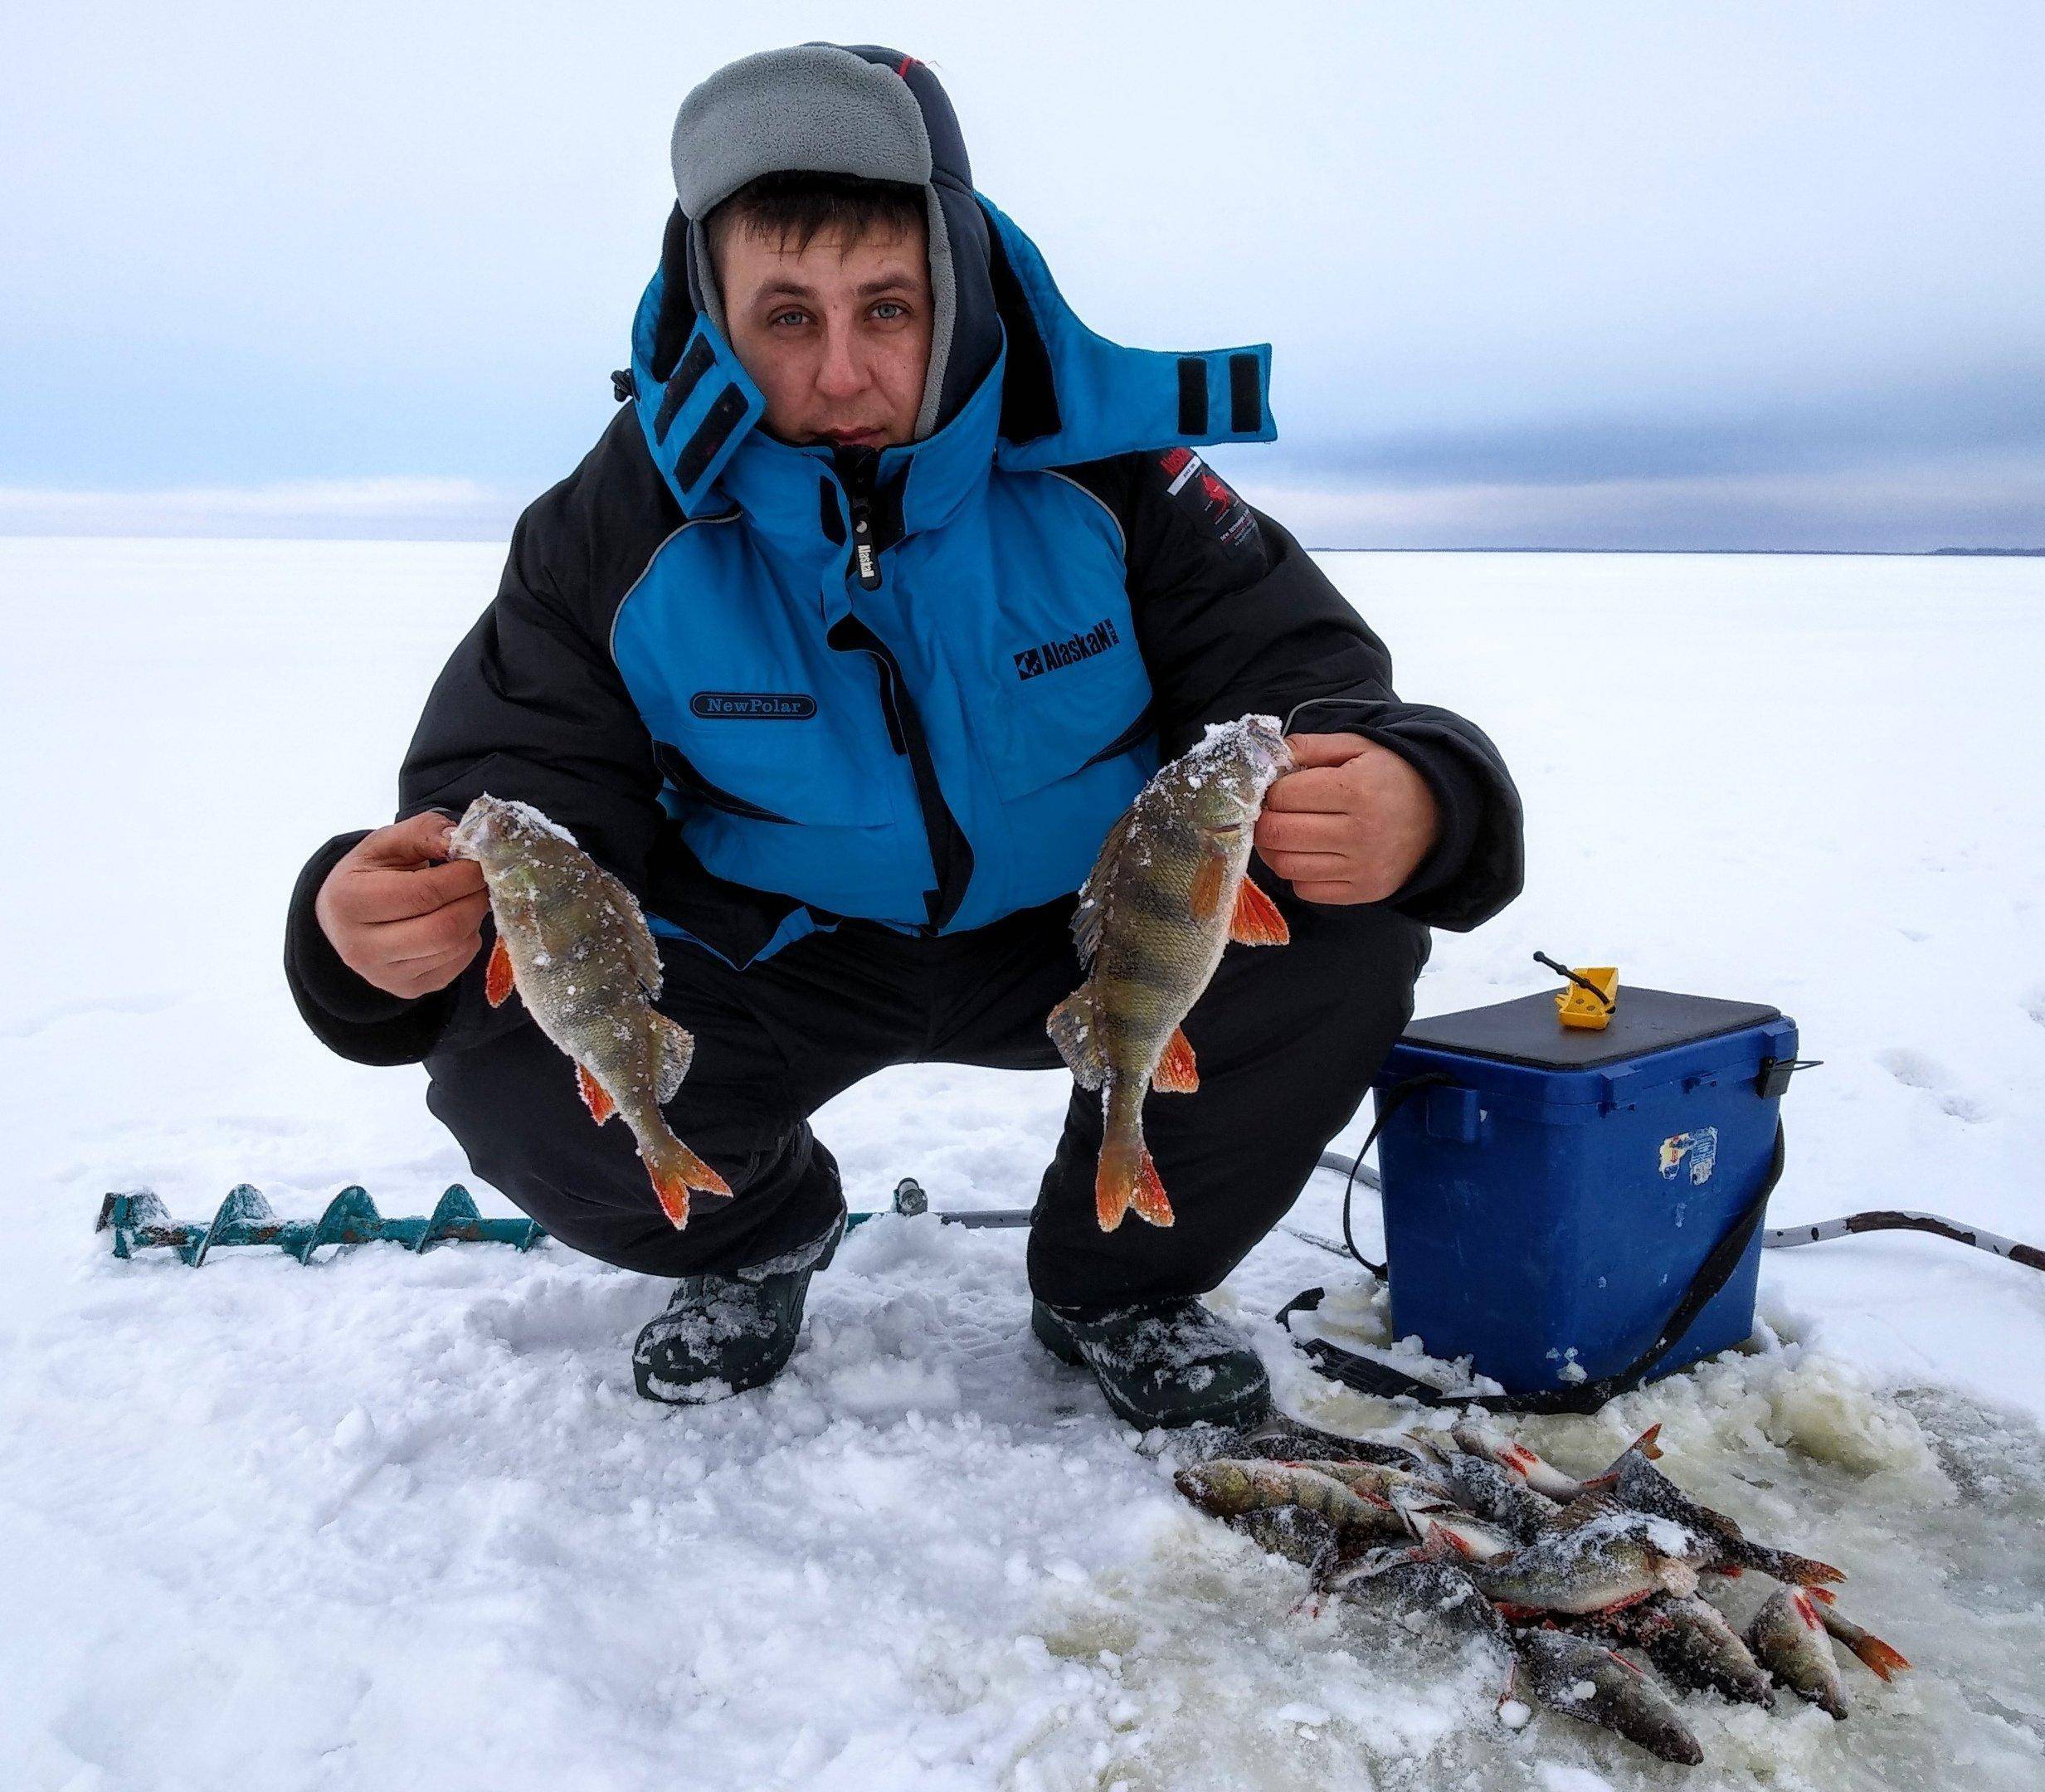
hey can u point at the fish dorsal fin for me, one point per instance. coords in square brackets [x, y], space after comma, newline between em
[1091, 913]
[1257, 921]
[498, 981]
[677, 1047]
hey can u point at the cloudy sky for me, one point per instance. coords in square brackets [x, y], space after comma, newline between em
[1616, 273]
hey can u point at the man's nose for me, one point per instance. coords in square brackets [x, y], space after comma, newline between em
[842, 372]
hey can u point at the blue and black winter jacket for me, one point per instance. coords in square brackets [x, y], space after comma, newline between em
[774, 687]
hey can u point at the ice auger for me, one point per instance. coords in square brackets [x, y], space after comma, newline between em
[139, 1221]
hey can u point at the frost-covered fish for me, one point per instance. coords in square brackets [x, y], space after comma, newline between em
[1497, 1495]
[1787, 1637]
[1425, 1512]
[1494, 1446]
[1875, 1655]
[1437, 1592]
[1300, 1536]
[1690, 1641]
[1637, 1483]
[1377, 1480]
[1284, 1439]
[1611, 1558]
[572, 940]
[1168, 891]
[1228, 1488]
[1582, 1679]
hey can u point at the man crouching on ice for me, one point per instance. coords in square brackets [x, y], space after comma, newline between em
[877, 603]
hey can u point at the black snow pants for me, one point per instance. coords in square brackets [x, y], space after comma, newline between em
[1287, 1039]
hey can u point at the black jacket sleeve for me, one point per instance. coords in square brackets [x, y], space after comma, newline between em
[1234, 619]
[529, 706]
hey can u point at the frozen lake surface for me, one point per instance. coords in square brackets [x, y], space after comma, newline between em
[402, 1521]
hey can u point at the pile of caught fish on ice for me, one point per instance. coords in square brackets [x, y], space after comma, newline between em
[1472, 1534]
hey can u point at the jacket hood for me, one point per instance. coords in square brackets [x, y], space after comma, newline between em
[1067, 395]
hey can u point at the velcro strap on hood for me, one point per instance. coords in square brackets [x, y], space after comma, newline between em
[695, 419]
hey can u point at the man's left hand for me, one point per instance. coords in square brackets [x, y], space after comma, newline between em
[1350, 824]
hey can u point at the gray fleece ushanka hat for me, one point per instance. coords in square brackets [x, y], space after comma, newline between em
[865, 111]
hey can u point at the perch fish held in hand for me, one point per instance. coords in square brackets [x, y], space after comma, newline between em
[572, 940]
[1169, 890]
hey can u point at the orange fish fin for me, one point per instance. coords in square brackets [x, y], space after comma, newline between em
[1205, 896]
[673, 1179]
[1257, 921]
[1177, 1073]
[673, 1193]
[497, 979]
[600, 1105]
[1877, 1656]
[1149, 1197]
[1112, 1192]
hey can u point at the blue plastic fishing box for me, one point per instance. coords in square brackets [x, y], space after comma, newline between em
[1547, 1206]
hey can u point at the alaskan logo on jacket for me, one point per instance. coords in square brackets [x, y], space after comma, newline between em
[1047, 657]
[753, 706]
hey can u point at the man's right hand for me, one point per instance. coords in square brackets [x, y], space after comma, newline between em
[401, 913]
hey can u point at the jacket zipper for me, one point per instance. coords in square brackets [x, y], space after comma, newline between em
[865, 563]
[951, 854]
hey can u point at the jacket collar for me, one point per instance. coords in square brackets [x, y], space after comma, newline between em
[786, 490]
[1057, 395]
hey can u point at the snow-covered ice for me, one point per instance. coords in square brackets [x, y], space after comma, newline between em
[392, 1520]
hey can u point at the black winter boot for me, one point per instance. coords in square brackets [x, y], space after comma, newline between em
[1163, 1363]
[722, 1334]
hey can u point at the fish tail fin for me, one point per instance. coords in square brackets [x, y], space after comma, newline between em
[1151, 1203]
[1799, 1570]
[1126, 1177]
[1877, 1656]
[676, 1049]
[676, 1171]
[1071, 1027]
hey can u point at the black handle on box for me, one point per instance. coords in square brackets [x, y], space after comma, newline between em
[1776, 1072]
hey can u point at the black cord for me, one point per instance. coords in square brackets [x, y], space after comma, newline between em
[1389, 1104]
[1581, 982]
[1349, 1188]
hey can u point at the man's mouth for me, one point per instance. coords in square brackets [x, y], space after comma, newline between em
[852, 438]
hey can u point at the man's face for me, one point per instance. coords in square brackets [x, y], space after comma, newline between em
[836, 335]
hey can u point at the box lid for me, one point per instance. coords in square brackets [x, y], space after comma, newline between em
[1526, 1031]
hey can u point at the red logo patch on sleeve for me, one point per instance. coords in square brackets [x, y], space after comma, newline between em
[1198, 490]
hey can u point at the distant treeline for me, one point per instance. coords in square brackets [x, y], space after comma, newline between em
[1988, 550]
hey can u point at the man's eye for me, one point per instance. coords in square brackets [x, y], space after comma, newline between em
[789, 317]
[889, 310]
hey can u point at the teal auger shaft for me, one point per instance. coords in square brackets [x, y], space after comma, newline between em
[138, 1221]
